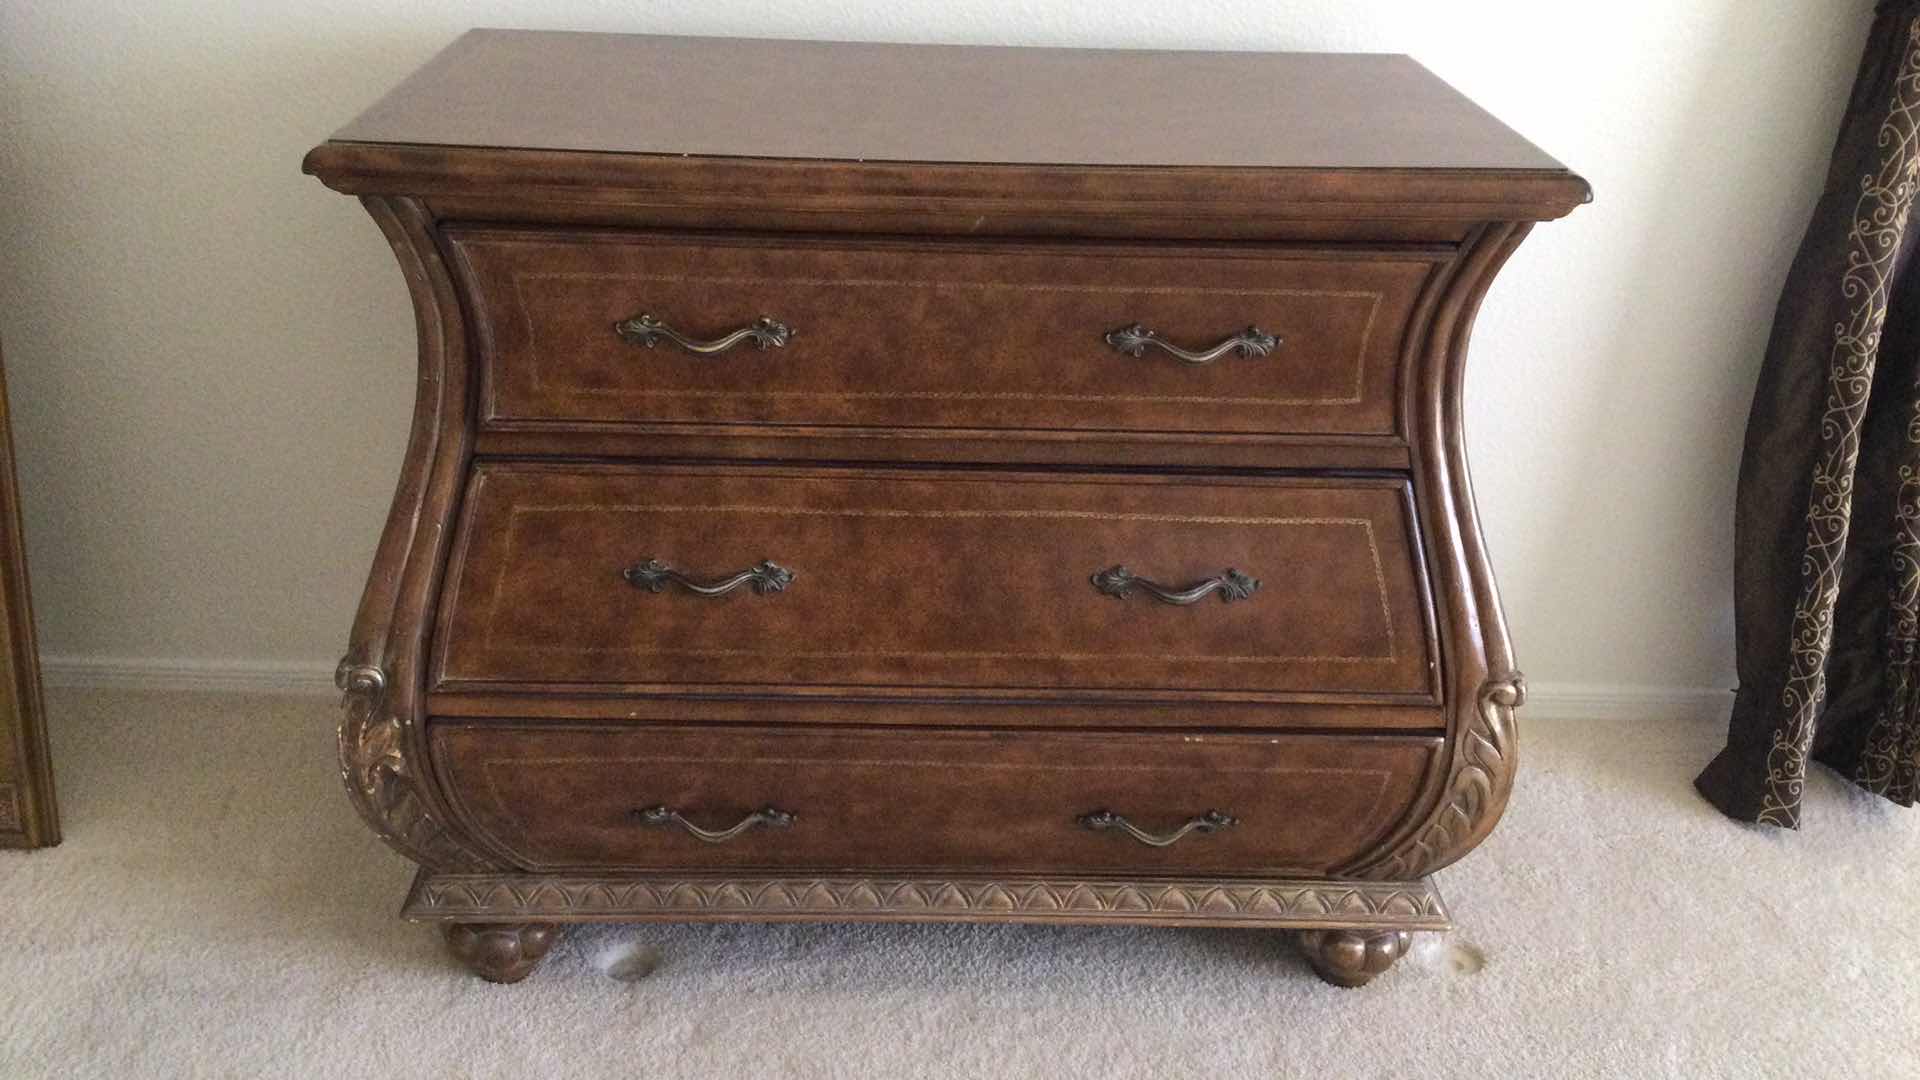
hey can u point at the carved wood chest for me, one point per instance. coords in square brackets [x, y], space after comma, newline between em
[933, 483]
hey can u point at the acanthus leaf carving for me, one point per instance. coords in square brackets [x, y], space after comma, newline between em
[1479, 779]
[381, 780]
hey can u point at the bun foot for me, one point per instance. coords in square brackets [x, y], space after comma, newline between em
[501, 952]
[1351, 958]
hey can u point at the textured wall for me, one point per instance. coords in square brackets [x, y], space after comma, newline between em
[211, 356]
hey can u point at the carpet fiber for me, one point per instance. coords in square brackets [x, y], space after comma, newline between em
[218, 910]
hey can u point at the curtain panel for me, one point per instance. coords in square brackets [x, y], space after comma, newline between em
[1827, 519]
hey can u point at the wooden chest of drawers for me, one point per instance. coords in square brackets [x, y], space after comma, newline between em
[922, 483]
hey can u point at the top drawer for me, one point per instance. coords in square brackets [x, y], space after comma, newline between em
[938, 335]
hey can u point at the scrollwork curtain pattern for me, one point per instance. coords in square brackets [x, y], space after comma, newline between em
[1827, 561]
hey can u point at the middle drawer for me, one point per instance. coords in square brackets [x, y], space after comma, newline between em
[672, 578]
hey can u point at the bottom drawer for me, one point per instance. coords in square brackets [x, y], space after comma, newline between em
[551, 798]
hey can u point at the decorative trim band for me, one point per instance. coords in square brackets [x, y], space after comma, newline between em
[1414, 905]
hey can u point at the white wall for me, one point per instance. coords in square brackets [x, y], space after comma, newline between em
[211, 356]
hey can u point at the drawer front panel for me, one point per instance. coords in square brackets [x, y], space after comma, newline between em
[664, 577]
[684, 798]
[930, 335]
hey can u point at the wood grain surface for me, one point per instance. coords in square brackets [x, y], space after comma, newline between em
[730, 97]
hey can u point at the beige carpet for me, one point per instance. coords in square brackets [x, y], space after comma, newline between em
[218, 910]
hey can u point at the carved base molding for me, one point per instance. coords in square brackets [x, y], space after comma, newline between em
[1275, 903]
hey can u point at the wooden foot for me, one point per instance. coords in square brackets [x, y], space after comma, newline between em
[1352, 958]
[501, 952]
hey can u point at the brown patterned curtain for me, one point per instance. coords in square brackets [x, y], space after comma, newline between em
[1827, 527]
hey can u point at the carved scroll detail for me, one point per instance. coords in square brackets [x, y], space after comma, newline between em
[1480, 777]
[379, 778]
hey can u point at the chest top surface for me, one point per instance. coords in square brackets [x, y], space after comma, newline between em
[841, 101]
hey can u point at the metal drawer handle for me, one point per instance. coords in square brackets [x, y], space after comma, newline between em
[1231, 584]
[1211, 821]
[1133, 340]
[665, 817]
[644, 329]
[653, 575]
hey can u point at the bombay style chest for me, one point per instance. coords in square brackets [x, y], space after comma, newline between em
[871, 482]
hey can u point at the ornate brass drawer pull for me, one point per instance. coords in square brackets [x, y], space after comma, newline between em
[1231, 584]
[653, 575]
[1133, 340]
[644, 329]
[1211, 821]
[665, 817]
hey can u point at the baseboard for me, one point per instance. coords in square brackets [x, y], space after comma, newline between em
[1545, 701]
[1599, 701]
[187, 676]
